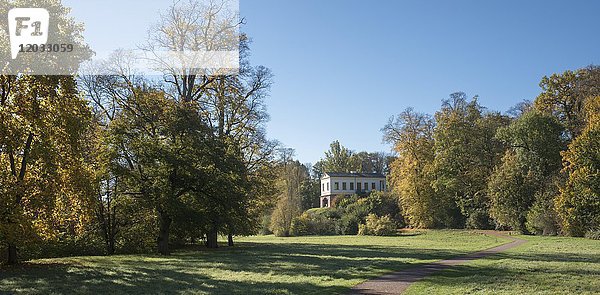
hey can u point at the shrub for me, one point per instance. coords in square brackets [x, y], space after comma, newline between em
[378, 226]
[593, 234]
[354, 214]
[479, 218]
[541, 218]
[343, 201]
[315, 222]
[301, 225]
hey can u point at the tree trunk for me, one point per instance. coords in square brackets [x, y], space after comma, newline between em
[163, 234]
[211, 238]
[111, 246]
[230, 240]
[12, 254]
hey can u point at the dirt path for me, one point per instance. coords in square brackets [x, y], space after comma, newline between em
[396, 283]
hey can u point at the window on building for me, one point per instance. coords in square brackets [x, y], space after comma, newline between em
[373, 186]
[328, 186]
[352, 186]
[366, 186]
[343, 186]
[337, 186]
[381, 185]
[359, 186]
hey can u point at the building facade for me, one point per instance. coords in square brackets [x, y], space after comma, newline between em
[334, 184]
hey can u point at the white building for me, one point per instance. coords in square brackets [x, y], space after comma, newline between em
[335, 183]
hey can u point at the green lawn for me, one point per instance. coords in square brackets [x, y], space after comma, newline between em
[544, 265]
[257, 265]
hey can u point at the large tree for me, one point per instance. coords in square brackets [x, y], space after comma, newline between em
[338, 159]
[44, 128]
[563, 96]
[466, 153]
[292, 176]
[579, 202]
[165, 154]
[411, 175]
[528, 167]
[231, 104]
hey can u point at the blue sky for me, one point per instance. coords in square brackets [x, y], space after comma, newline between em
[342, 68]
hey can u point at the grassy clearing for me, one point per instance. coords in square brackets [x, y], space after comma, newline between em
[257, 265]
[544, 265]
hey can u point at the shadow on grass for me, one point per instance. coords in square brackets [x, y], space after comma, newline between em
[248, 269]
[508, 272]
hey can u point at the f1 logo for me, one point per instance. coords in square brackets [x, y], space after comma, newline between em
[27, 26]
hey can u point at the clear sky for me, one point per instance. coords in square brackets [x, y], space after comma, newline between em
[342, 68]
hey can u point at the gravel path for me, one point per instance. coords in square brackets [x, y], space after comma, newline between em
[396, 283]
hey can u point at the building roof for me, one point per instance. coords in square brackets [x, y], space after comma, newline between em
[354, 174]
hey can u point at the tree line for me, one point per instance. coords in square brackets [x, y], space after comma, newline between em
[534, 170]
[121, 163]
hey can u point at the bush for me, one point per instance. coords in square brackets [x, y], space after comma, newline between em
[301, 225]
[343, 201]
[378, 226]
[354, 214]
[542, 218]
[315, 223]
[593, 234]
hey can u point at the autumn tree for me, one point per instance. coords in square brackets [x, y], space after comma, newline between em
[411, 176]
[579, 202]
[563, 96]
[44, 133]
[292, 176]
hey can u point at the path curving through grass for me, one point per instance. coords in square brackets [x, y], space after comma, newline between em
[398, 282]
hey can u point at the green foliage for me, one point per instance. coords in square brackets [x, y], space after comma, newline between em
[512, 188]
[265, 224]
[347, 215]
[353, 215]
[528, 168]
[378, 226]
[339, 159]
[542, 218]
[281, 219]
[314, 223]
[466, 153]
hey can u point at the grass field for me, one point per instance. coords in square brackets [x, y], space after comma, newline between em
[544, 265]
[257, 265]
